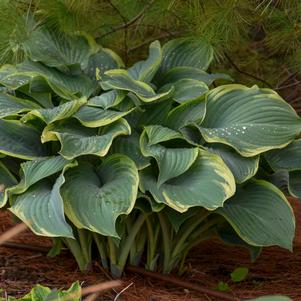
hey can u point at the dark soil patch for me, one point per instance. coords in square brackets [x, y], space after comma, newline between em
[276, 271]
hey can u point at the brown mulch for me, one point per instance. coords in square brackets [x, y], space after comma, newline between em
[276, 271]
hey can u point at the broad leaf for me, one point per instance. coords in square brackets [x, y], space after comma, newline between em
[261, 215]
[228, 235]
[77, 140]
[172, 162]
[294, 184]
[66, 86]
[251, 120]
[38, 293]
[41, 208]
[158, 134]
[102, 61]
[74, 291]
[130, 146]
[207, 183]
[33, 171]
[188, 52]
[154, 113]
[288, 158]
[57, 50]
[95, 198]
[191, 112]
[6, 181]
[12, 106]
[243, 168]
[120, 79]
[97, 117]
[57, 113]
[187, 89]
[182, 72]
[145, 70]
[108, 99]
[20, 141]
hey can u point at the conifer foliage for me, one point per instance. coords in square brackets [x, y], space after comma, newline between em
[260, 37]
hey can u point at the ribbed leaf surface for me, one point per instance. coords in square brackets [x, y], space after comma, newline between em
[95, 198]
[261, 215]
[251, 120]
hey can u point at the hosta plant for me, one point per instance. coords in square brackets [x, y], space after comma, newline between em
[141, 163]
[43, 293]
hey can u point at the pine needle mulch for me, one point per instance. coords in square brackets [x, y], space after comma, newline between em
[276, 271]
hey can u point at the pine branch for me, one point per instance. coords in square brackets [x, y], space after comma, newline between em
[126, 23]
[245, 72]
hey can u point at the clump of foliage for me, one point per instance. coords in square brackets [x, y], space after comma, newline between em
[143, 162]
[42, 293]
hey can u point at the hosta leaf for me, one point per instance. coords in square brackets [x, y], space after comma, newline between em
[207, 183]
[261, 215]
[157, 134]
[94, 199]
[11, 78]
[155, 113]
[288, 158]
[6, 181]
[192, 135]
[280, 179]
[188, 89]
[130, 146]
[64, 85]
[177, 219]
[77, 140]
[57, 113]
[74, 291]
[107, 99]
[182, 72]
[243, 168]
[227, 234]
[36, 170]
[11, 105]
[102, 61]
[44, 99]
[96, 117]
[38, 293]
[145, 70]
[188, 113]
[172, 162]
[251, 120]
[20, 141]
[121, 80]
[41, 208]
[294, 184]
[57, 50]
[188, 52]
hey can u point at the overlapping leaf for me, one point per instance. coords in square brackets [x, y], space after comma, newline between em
[207, 183]
[12, 106]
[77, 140]
[243, 168]
[41, 206]
[6, 181]
[20, 141]
[188, 52]
[120, 79]
[251, 120]
[94, 198]
[261, 215]
[57, 50]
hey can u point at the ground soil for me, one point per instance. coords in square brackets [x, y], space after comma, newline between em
[277, 271]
